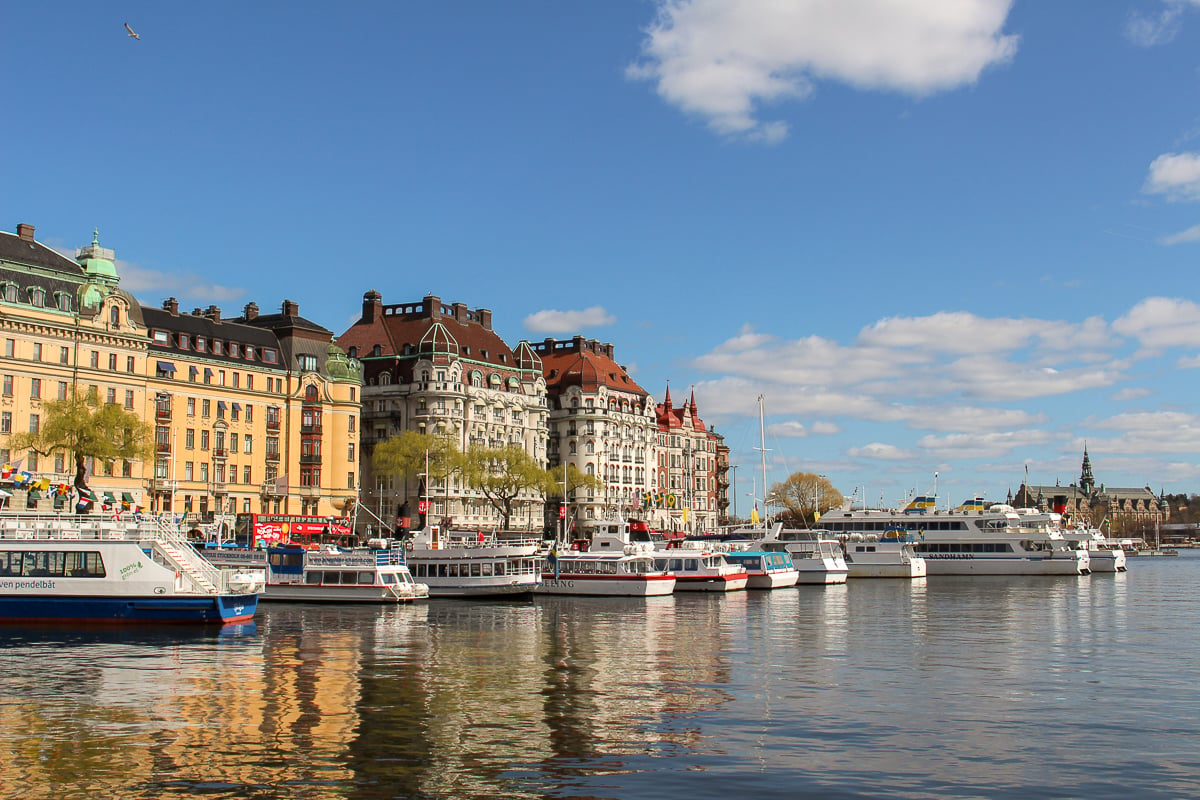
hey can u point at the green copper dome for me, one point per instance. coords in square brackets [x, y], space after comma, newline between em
[97, 261]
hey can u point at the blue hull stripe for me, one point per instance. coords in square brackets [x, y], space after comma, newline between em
[225, 608]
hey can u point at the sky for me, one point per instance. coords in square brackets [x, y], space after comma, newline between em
[946, 244]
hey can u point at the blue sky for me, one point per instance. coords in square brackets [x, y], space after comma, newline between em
[953, 238]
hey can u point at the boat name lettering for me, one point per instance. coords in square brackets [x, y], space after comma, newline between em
[130, 569]
[26, 584]
[555, 583]
[948, 555]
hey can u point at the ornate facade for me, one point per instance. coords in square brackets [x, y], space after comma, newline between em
[690, 473]
[238, 406]
[601, 422]
[442, 369]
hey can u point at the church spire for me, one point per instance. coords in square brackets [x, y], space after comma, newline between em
[1086, 481]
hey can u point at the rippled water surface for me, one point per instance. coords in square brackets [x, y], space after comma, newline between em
[946, 687]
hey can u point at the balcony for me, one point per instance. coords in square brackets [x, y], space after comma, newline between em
[220, 452]
[272, 424]
[162, 412]
[310, 459]
[162, 447]
[311, 429]
[273, 457]
[270, 490]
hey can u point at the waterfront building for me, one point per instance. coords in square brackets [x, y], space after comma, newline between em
[690, 480]
[257, 413]
[441, 369]
[237, 405]
[1124, 511]
[64, 324]
[603, 423]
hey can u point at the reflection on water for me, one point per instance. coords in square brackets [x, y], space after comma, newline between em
[938, 687]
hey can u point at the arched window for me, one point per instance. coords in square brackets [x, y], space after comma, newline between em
[310, 393]
[37, 296]
[376, 350]
[114, 315]
[476, 378]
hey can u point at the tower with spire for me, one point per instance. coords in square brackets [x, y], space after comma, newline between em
[1087, 483]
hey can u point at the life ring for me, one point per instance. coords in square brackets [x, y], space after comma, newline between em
[408, 545]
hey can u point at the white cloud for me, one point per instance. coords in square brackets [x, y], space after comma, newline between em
[880, 451]
[1150, 29]
[1131, 393]
[787, 430]
[1188, 362]
[1159, 322]
[821, 428]
[553, 321]
[720, 59]
[1176, 175]
[1192, 234]
[188, 288]
[983, 445]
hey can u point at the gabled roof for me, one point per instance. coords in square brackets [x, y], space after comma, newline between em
[586, 369]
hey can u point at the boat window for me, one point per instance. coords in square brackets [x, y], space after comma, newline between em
[366, 578]
[453, 572]
[443, 571]
[313, 576]
[501, 567]
[487, 568]
[388, 578]
[475, 570]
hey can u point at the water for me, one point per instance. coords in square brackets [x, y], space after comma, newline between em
[948, 687]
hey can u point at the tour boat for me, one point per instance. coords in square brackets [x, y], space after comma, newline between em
[891, 555]
[330, 574]
[696, 566]
[766, 570]
[971, 541]
[630, 571]
[472, 563]
[88, 568]
[1104, 555]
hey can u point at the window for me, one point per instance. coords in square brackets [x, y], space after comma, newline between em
[64, 355]
[8, 385]
[350, 452]
[5, 422]
[35, 388]
[249, 381]
[161, 337]
[249, 438]
[203, 470]
[110, 395]
[129, 399]
[114, 315]
[187, 471]
[189, 438]
[204, 440]
[237, 379]
[249, 352]
[184, 341]
[35, 423]
[246, 476]
[235, 411]
[95, 360]
[233, 443]
[10, 292]
[112, 361]
[205, 408]
[233, 349]
[217, 348]
[350, 423]
[349, 480]
[249, 415]
[63, 301]
[191, 407]
[37, 297]
[269, 355]
[130, 364]
[308, 363]
[37, 351]
[201, 344]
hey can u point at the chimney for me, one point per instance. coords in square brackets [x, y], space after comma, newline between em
[213, 313]
[372, 306]
[171, 306]
[250, 311]
[196, 312]
[25, 232]
[291, 308]
[577, 343]
[460, 312]
[485, 319]
[433, 306]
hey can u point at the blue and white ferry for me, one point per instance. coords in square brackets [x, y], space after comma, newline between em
[767, 570]
[93, 569]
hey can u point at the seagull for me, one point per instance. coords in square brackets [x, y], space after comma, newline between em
[131, 33]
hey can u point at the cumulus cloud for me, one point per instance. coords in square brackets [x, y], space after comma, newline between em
[787, 430]
[722, 59]
[1175, 175]
[1131, 393]
[983, 445]
[1148, 432]
[554, 321]
[1159, 322]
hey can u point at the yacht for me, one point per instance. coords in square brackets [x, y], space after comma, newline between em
[890, 555]
[696, 566]
[816, 555]
[629, 572]
[328, 574]
[766, 570]
[970, 540]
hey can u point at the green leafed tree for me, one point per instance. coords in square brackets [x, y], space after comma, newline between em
[503, 474]
[804, 496]
[82, 427]
[405, 454]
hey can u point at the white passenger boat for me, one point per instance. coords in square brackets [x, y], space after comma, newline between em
[892, 555]
[329, 574]
[1104, 554]
[696, 566]
[473, 564]
[630, 571]
[88, 568]
[970, 540]
[765, 570]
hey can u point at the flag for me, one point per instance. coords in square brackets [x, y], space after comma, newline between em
[87, 494]
[22, 478]
[754, 515]
[43, 484]
[685, 515]
[9, 469]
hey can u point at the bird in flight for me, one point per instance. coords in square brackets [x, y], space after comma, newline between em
[131, 33]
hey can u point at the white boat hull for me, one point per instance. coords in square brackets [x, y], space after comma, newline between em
[910, 570]
[607, 586]
[971, 564]
[710, 583]
[773, 580]
[298, 592]
[813, 571]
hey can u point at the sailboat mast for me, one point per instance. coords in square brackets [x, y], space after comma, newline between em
[762, 449]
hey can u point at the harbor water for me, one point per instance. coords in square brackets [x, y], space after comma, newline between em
[1079, 687]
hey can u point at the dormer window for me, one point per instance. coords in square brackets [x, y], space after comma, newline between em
[10, 292]
[377, 350]
[249, 352]
[233, 349]
[114, 315]
[37, 296]
[307, 363]
[217, 349]
[269, 355]
[63, 301]
[162, 337]
[201, 344]
[184, 341]
[353, 352]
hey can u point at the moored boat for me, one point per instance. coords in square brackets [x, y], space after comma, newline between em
[330, 574]
[88, 569]
[892, 555]
[472, 563]
[630, 571]
[765, 570]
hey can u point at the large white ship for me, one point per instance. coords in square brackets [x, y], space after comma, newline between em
[972, 539]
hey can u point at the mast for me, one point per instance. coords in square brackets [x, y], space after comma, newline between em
[762, 449]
